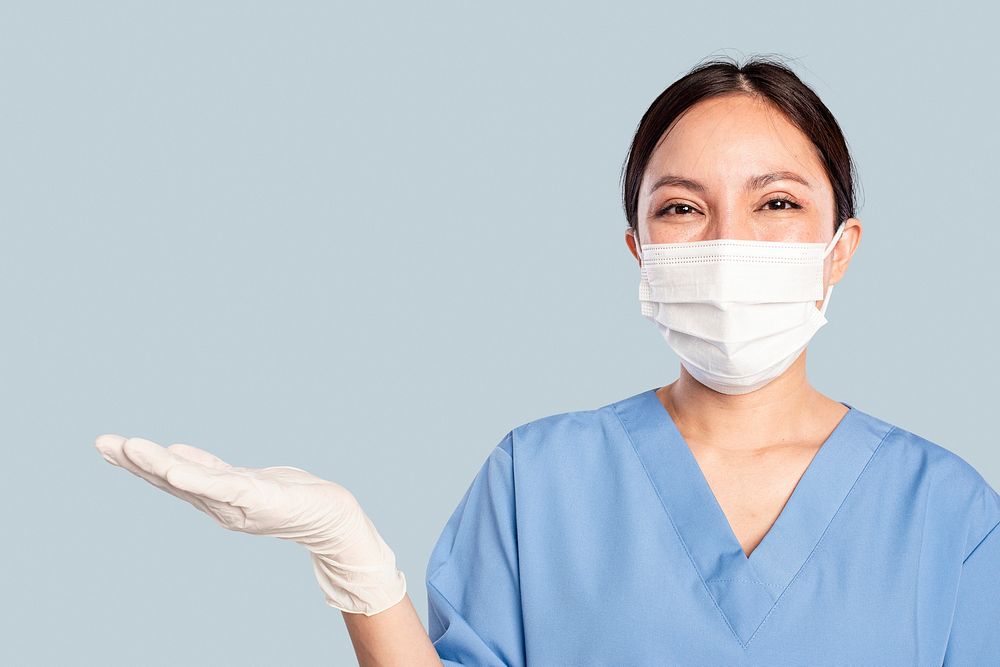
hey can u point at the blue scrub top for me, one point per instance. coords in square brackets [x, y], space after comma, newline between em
[593, 538]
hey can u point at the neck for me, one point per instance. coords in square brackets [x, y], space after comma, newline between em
[781, 412]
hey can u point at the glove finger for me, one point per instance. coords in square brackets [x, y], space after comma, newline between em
[214, 486]
[151, 457]
[109, 445]
[198, 456]
[111, 448]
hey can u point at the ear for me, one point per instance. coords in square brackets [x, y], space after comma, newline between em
[630, 242]
[841, 255]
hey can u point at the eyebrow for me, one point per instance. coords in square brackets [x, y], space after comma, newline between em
[753, 183]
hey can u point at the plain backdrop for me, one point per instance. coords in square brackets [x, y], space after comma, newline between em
[367, 240]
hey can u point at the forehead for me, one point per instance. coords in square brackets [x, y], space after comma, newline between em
[726, 138]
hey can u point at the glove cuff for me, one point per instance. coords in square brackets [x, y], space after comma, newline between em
[359, 590]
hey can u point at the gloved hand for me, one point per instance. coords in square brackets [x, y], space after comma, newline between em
[355, 568]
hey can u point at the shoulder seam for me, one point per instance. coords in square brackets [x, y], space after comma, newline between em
[510, 454]
[988, 533]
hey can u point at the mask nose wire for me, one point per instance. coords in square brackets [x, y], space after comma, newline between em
[826, 253]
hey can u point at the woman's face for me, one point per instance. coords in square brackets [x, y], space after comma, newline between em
[717, 173]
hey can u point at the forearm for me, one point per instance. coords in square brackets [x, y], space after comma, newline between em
[391, 638]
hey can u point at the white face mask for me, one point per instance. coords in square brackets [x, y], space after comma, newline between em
[736, 312]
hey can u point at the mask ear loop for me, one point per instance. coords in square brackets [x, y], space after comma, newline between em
[834, 241]
[638, 247]
[829, 249]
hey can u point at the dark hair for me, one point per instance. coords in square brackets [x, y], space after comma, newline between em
[762, 76]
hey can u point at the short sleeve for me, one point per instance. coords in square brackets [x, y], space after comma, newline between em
[975, 629]
[473, 586]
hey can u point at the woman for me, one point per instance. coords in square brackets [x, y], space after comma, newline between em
[736, 516]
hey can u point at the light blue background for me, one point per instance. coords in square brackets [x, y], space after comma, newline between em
[369, 240]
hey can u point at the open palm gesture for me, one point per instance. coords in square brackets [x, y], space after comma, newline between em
[355, 568]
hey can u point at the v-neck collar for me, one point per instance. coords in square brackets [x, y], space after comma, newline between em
[746, 588]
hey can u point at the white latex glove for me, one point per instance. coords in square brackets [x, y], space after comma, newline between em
[355, 568]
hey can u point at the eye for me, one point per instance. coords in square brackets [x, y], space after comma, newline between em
[663, 211]
[782, 200]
